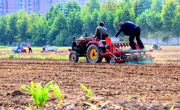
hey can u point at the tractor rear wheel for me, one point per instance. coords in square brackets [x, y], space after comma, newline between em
[93, 54]
[73, 57]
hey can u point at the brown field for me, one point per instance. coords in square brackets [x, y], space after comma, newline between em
[117, 86]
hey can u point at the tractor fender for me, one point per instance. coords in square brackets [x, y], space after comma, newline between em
[98, 43]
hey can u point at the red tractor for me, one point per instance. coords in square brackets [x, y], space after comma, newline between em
[112, 49]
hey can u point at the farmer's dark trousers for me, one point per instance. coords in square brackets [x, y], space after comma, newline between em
[30, 50]
[135, 33]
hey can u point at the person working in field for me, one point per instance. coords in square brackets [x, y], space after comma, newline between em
[132, 30]
[21, 47]
[30, 49]
[156, 47]
[100, 30]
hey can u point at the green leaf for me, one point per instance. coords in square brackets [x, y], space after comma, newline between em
[172, 107]
[84, 87]
[56, 89]
[89, 88]
[25, 88]
[32, 84]
[50, 82]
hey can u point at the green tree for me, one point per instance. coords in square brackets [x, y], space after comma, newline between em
[56, 10]
[3, 28]
[93, 5]
[86, 23]
[157, 5]
[72, 7]
[168, 15]
[109, 5]
[75, 23]
[32, 26]
[63, 38]
[153, 20]
[12, 27]
[91, 22]
[39, 39]
[176, 22]
[60, 23]
[49, 12]
[94, 22]
[22, 26]
[122, 15]
[142, 22]
[103, 17]
[141, 5]
[109, 23]
[107, 18]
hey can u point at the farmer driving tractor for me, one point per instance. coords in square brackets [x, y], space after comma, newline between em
[100, 30]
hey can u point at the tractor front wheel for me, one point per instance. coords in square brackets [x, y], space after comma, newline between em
[93, 54]
[73, 57]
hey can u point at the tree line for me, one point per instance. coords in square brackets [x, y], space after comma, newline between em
[156, 18]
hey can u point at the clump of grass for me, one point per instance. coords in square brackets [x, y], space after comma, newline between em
[37, 57]
[48, 57]
[62, 58]
[14, 56]
[40, 94]
[89, 94]
[40, 57]
[19, 56]
[11, 56]
[82, 58]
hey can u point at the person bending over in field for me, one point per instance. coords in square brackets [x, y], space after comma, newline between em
[132, 30]
[21, 47]
[30, 49]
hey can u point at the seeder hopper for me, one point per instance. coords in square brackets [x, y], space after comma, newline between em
[114, 50]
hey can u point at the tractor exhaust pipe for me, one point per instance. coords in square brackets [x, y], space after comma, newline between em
[73, 43]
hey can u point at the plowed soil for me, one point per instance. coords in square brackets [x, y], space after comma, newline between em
[114, 86]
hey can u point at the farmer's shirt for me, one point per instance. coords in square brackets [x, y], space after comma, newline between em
[127, 28]
[21, 47]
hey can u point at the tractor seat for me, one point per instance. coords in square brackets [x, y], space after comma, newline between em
[103, 37]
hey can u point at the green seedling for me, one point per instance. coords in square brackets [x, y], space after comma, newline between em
[11, 56]
[39, 93]
[19, 56]
[89, 94]
[172, 107]
[57, 91]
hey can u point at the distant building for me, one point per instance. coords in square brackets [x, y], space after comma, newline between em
[12, 6]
